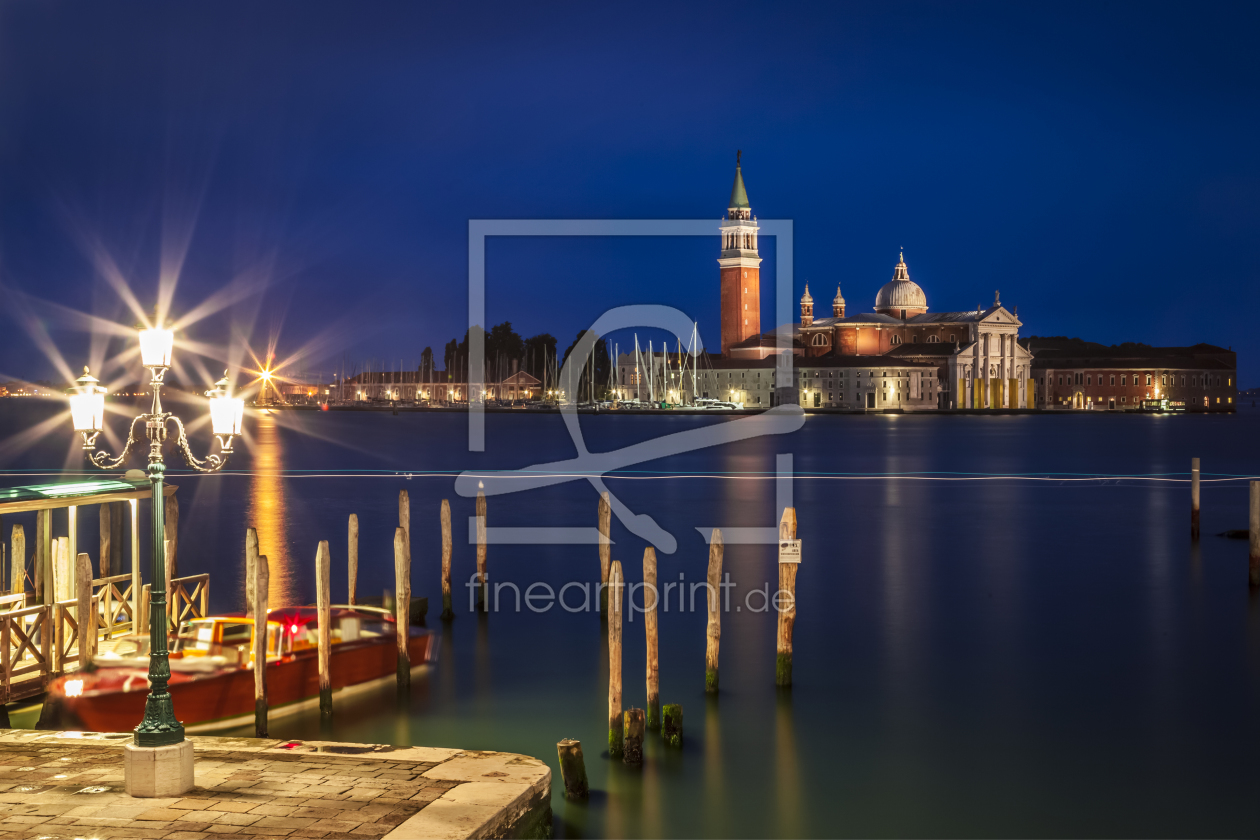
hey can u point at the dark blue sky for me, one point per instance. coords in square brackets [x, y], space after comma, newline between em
[1097, 163]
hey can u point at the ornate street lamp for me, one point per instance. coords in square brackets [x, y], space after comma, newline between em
[87, 409]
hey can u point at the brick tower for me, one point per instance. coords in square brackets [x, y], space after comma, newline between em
[740, 268]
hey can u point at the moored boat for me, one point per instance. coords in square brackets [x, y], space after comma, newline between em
[212, 679]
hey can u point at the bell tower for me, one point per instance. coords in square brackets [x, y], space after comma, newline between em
[739, 266]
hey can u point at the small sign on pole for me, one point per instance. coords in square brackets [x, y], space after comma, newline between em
[789, 551]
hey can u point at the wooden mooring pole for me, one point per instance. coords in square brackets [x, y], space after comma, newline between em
[785, 603]
[447, 543]
[605, 550]
[402, 604]
[481, 551]
[650, 628]
[251, 570]
[1253, 526]
[634, 737]
[573, 769]
[1194, 498]
[262, 579]
[171, 535]
[672, 724]
[43, 557]
[616, 730]
[324, 617]
[352, 557]
[106, 535]
[85, 616]
[17, 559]
[713, 631]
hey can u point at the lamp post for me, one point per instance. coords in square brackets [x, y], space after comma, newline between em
[159, 728]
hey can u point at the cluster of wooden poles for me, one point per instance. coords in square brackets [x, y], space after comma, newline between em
[257, 577]
[1253, 521]
[626, 727]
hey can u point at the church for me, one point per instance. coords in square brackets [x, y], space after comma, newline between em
[955, 359]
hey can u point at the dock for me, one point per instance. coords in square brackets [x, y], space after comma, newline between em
[57, 785]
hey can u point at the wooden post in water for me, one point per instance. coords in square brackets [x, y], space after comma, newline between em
[402, 605]
[171, 535]
[1253, 527]
[63, 580]
[713, 631]
[43, 557]
[262, 580]
[352, 557]
[787, 610]
[616, 731]
[85, 616]
[404, 521]
[447, 612]
[573, 769]
[481, 551]
[17, 559]
[672, 724]
[605, 550]
[634, 737]
[106, 534]
[322, 609]
[1194, 498]
[650, 627]
[251, 570]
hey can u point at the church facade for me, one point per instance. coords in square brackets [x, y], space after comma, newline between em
[975, 356]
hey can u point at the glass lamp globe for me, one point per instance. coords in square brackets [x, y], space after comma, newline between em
[155, 347]
[87, 404]
[226, 413]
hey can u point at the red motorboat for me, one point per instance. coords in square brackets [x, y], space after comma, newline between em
[212, 679]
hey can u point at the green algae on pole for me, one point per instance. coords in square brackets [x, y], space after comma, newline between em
[650, 627]
[573, 769]
[634, 737]
[447, 612]
[616, 730]
[713, 631]
[672, 724]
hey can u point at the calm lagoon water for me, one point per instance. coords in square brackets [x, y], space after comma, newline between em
[995, 657]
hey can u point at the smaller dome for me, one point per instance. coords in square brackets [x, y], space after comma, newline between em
[805, 298]
[901, 292]
[839, 298]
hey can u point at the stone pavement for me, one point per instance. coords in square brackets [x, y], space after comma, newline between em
[69, 785]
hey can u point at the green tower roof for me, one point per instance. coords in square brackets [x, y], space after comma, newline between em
[739, 196]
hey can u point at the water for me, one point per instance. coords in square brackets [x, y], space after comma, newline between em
[980, 658]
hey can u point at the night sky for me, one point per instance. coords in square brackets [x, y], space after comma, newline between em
[1097, 164]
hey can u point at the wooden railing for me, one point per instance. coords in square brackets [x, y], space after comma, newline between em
[24, 652]
[184, 604]
[113, 597]
[188, 599]
[16, 601]
[66, 633]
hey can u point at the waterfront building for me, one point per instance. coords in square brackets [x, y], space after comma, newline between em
[433, 387]
[1073, 374]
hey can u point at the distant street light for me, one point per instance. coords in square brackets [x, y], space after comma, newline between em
[87, 410]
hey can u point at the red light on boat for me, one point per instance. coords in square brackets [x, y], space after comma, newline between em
[324, 407]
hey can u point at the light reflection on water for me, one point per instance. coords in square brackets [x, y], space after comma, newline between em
[267, 511]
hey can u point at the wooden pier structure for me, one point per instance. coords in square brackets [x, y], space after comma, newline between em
[50, 611]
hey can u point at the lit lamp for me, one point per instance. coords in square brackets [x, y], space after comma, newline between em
[159, 762]
[87, 408]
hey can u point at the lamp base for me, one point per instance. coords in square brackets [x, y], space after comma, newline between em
[158, 771]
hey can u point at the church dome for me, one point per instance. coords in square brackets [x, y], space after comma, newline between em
[807, 297]
[901, 293]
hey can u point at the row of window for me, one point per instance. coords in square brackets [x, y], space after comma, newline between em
[823, 340]
[1196, 380]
